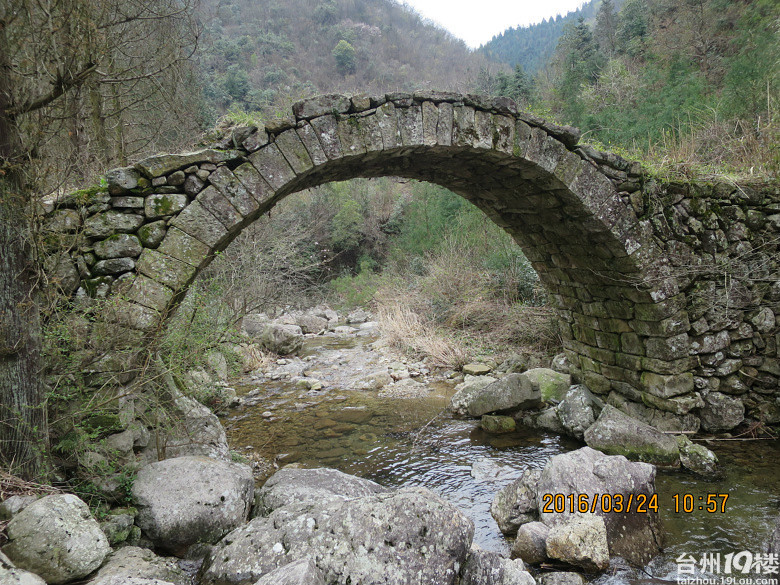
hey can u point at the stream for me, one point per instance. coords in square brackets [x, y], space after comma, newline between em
[407, 437]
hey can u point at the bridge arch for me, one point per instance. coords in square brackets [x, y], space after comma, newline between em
[605, 274]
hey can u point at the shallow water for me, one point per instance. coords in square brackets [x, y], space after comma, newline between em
[398, 442]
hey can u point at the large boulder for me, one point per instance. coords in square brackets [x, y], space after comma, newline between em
[10, 575]
[697, 458]
[578, 410]
[581, 541]
[634, 535]
[56, 538]
[721, 412]
[291, 485]
[616, 433]
[282, 339]
[515, 504]
[310, 323]
[488, 568]
[513, 392]
[552, 385]
[191, 499]
[302, 572]
[531, 543]
[387, 537]
[132, 562]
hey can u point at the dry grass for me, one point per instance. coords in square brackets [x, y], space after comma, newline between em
[408, 332]
[11, 485]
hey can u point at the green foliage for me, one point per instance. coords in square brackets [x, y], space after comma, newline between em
[344, 54]
[347, 223]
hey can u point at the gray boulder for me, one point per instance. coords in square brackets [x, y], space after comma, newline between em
[255, 323]
[302, 572]
[578, 410]
[531, 543]
[471, 386]
[132, 562]
[697, 458]
[402, 537]
[721, 412]
[312, 323]
[635, 536]
[118, 246]
[616, 433]
[515, 504]
[774, 543]
[580, 541]
[513, 392]
[11, 576]
[15, 504]
[551, 385]
[56, 538]
[292, 485]
[191, 499]
[488, 568]
[561, 578]
[282, 339]
[358, 316]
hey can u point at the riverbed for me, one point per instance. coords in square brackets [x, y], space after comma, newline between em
[408, 437]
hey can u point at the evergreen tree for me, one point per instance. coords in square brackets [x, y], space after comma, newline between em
[606, 27]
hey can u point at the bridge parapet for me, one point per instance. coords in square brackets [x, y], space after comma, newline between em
[666, 292]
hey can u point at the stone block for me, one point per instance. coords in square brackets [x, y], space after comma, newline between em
[388, 126]
[667, 348]
[308, 137]
[113, 266]
[257, 186]
[234, 190]
[678, 405]
[674, 366]
[410, 125]
[350, 131]
[184, 247]
[135, 316]
[430, 120]
[596, 383]
[150, 293]
[151, 234]
[503, 134]
[321, 106]
[127, 202]
[444, 125]
[162, 205]
[463, 130]
[483, 127]
[165, 269]
[162, 164]
[214, 202]
[667, 386]
[118, 246]
[272, 165]
[294, 151]
[112, 222]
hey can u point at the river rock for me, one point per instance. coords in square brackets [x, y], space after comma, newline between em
[56, 538]
[291, 485]
[255, 323]
[616, 433]
[531, 543]
[774, 543]
[476, 369]
[721, 412]
[580, 541]
[514, 391]
[488, 568]
[515, 504]
[312, 323]
[282, 339]
[561, 578]
[578, 410]
[497, 425]
[634, 536]
[470, 386]
[12, 576]
[550, 384]
[191, 499]
[408, 536]
[301, 572]
[697, 458]
[13, 505]
[358, 316]
[131, 562]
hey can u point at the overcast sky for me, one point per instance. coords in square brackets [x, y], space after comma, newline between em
[477, 22]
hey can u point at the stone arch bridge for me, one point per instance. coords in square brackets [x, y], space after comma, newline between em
[666, 292]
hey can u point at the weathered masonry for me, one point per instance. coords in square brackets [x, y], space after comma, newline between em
[667, 292]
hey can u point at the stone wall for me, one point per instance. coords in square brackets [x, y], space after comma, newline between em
[666, 292]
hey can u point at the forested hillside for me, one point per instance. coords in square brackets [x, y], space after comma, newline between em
[696, 81]
[260, 54]
[531, 47]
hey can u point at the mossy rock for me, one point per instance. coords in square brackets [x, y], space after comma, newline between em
[552, 385]
[497, 425]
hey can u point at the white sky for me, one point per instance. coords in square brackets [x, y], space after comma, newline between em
[477, 22]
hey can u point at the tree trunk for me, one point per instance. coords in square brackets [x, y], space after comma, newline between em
[23, 421]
